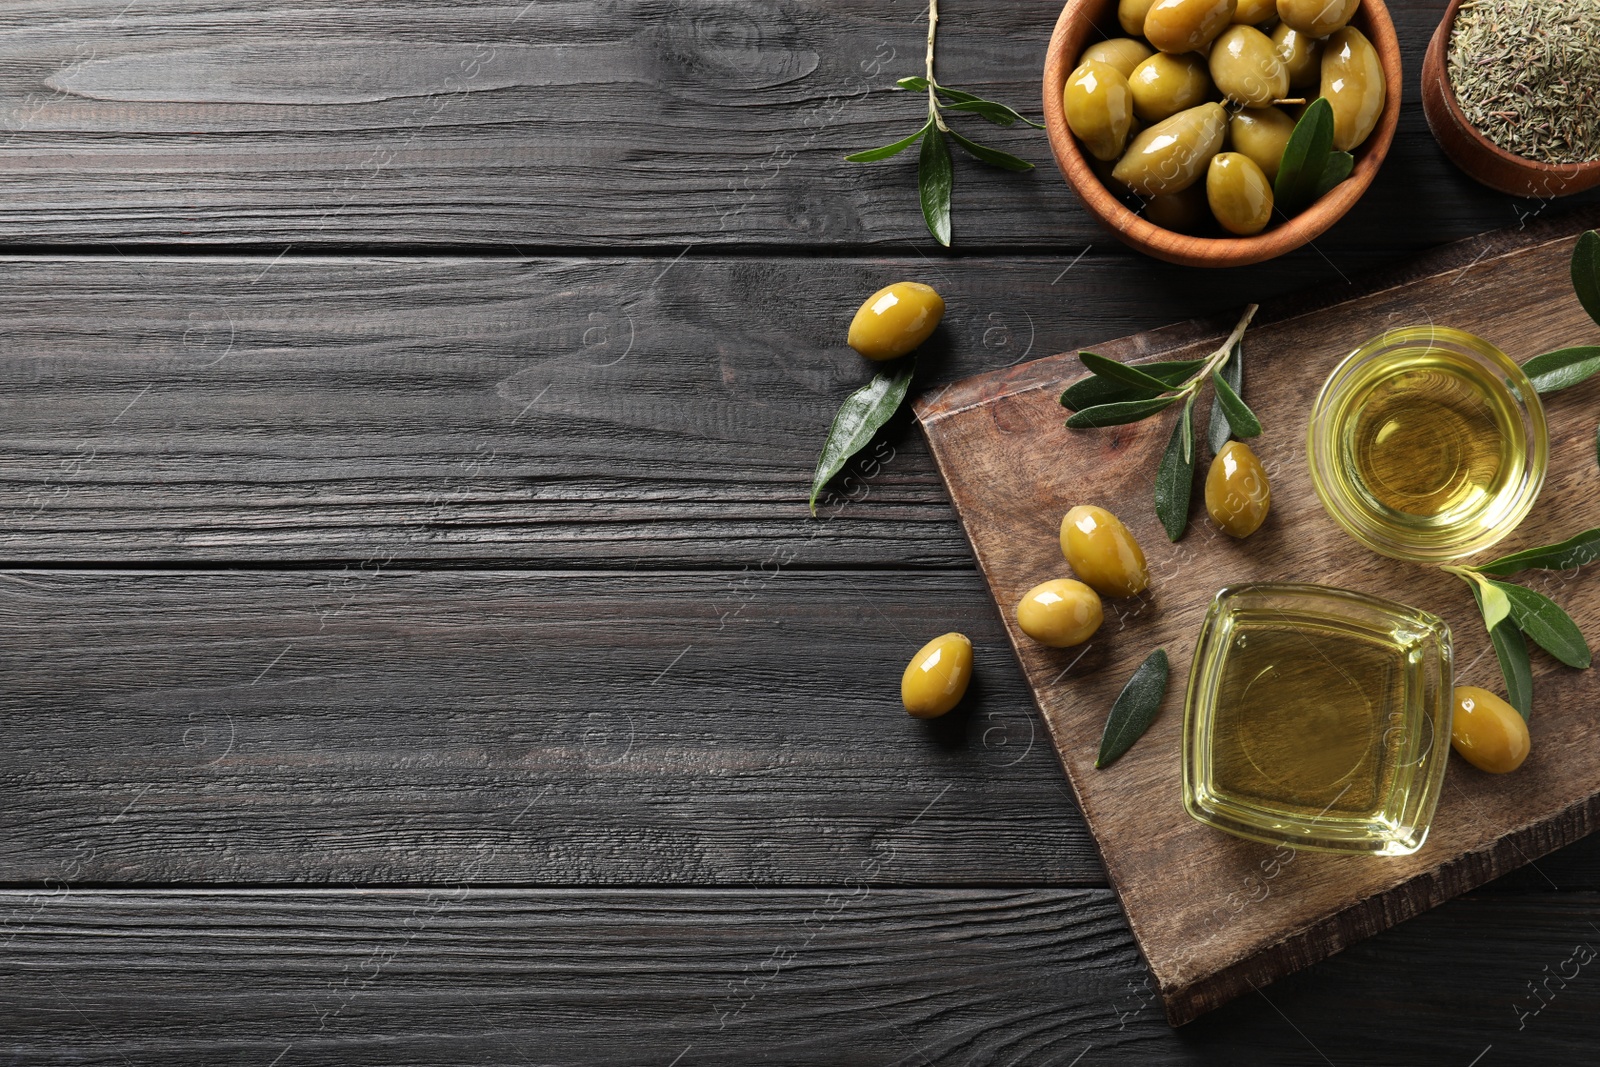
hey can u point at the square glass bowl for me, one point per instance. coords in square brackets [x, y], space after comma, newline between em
[1318, 718]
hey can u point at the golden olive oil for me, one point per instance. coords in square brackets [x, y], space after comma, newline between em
[1301, 717]
[1314, 719]
[1433, 440]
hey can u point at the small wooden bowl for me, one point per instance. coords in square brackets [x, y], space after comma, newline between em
[1078, 25]
[1474, 153]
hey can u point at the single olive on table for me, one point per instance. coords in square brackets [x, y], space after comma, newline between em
[1487, 731]
[1104, 554]
[895, 320]
[1060, 613]
[937, 677]
[1238, 495]
[1223, 77]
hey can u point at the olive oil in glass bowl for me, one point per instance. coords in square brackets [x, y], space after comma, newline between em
[1318, 718]
[1428, 444]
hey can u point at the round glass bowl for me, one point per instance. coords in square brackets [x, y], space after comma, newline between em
[1428, 444]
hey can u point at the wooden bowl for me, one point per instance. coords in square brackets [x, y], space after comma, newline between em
[1081, 22]
[1474, 153]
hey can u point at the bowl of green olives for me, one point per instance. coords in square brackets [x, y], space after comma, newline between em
[1170, 118]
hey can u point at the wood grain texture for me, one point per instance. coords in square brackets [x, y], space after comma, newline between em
[656, 122]
[563, 412]
[853, 974]
[372, 725]
[1013, 470]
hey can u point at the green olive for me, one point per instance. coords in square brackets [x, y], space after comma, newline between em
[1237, 494]
[1099, 107]
[1317, 18]
[1261, 133]
[895, 319]
[936, 678]
[1488, 732]
[1184, 211]
[1124, 53]
[1255, 12]
[1060, 613]
[1246, 68]
[1164, 85]
[1131, 13]
[1173, 154]
[1187, 25]
[1103, 554]
[1301, 55]
[1352, 80]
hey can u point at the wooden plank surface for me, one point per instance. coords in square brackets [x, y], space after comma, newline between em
[656, 122]
[375, 725]
[563, 411]
[856, 974]
[1012, 469]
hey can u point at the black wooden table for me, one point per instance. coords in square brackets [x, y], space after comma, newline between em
[416, 646]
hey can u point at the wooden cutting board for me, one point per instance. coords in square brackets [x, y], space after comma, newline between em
[1214, 915]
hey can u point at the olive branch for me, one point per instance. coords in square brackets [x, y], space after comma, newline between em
[935, 172]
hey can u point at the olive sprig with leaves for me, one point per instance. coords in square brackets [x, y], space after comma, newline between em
[935, 172]
[1566, 367]
[1115, 394]
[1514, 614]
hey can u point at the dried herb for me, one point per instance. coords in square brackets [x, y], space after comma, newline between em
[859, 418]
[935, 174]
[1118, 393]
[1527, 74]
[1135, 708]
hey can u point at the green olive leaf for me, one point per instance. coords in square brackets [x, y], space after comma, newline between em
[1511, 649]
[1562, 368]
[1241, 420]
[1543, 620]
[992, 156]
[915, 83]
[1492, 601]
[1093, 389]
[1122, 372]
[934, 180]
[1175, 476]
[1218, 430]
[1586, 272]
[993, 111]
[1575, 551]
[1135, 708]
[1119, 414]
[1338, 168]
[1305, 158]
[872, 155]
[859, 418]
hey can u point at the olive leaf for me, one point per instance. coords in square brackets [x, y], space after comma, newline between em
[1093, 389]
[1241, 420]
[1135, 708]
[993, 111]
[1586, 272]
[1563, 368]
[1511, 649]
[1122, 372]
[1338, 168]
[1119, 414]
[1575, 551]
[861, 415]
[1492, 601]
[1218, 430]
[872, 155]
[1305, 158]
[1175, 476]
[934, 179]
[1543, 620]
[992, 156]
